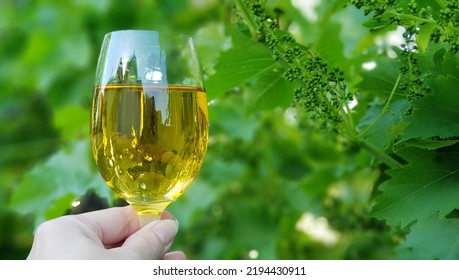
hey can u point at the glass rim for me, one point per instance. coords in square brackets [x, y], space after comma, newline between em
[132, 31]
[145, 37]
[147, 49]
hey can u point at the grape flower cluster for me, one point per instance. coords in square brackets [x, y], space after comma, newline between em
[442, 21]
[321, 90]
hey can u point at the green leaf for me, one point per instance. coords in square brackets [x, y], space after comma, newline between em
[353, 35]
[328, 45]
[423, 36]
[248, 63]
[99, 6]
[318, 182]
[437, 60]
[245, 61]
[47, 57]
[72, 121]
[230, 120]
[75, 51]
[382, 131]
[437, 113]
[430, 144]
[379, 81]
[62, 202]
[432, 238]
[270, 91]
[46, 187]
[211, 40]
[307, 29]
[261, 237]
[427, 185]
[199, 195]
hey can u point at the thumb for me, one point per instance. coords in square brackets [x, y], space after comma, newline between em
[150, 242]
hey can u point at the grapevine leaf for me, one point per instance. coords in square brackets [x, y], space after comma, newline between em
[211, 41]
[438, 61]
[262, 234]
[307, 28]
[270, 91]
[379, 81]
[199, 195]
[443, 232]
[354, 36]
[232, 122]
[67, 174]
[436, 114]
[423, 37]
[390, 123]
[244, 61]
[430, 144]
[71, 121]
[328, 46]
[427, 185]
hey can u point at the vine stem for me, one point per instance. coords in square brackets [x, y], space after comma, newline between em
[411, 17]
[381, 155]
[378, 153]
[441, 3]
[423, 20]
[386, 106]
[250, 22]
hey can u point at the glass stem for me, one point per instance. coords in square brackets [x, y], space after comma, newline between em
[150, 212]
[148, 218]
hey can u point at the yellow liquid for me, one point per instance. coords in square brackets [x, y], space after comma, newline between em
[149, 142]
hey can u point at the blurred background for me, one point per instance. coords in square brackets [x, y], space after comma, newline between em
[271, 187]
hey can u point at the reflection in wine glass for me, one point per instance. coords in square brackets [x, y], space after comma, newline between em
[149, 121]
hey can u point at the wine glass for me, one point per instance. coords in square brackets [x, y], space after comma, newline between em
[149, 120]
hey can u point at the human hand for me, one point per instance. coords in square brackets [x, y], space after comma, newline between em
[112, 233]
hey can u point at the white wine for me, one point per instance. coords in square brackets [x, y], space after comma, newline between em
[149, 142]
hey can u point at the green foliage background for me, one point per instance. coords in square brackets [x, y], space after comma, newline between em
[272, 186]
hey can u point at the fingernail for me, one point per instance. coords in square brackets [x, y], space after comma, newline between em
[166, 231]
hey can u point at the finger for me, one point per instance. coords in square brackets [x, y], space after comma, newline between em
[111, 225]
[176, 255]
[150, 242]
[166, 215]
